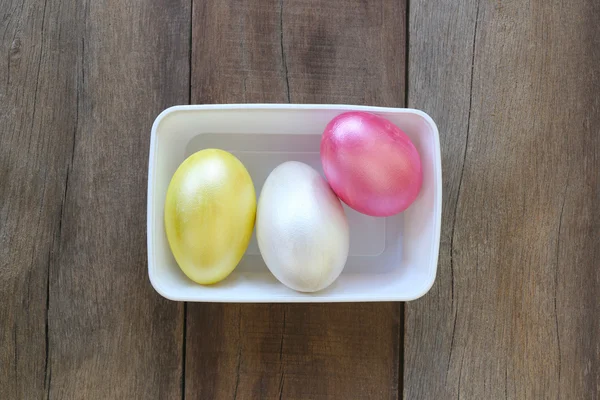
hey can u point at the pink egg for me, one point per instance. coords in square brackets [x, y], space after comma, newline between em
[371, 164]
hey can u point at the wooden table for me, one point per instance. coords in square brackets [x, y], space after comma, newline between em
[515, 90]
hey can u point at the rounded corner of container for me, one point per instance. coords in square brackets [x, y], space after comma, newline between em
[163, 114]
[426, 117]
[157, 286]
[426, 288]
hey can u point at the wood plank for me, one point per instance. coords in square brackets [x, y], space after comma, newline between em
[514, 312]
[110, 334]
[37, 114]
[295, 51]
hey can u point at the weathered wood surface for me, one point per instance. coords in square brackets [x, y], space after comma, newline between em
[81, 85]
[33, 167]
[300, 52]
[515, 90]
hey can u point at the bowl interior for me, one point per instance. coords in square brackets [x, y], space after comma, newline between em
[390, 258]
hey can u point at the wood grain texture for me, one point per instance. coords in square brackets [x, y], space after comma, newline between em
[37, 113]
[82, 85]
[514, 88]
[295, 51]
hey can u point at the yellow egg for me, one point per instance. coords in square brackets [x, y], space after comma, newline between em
[209, 214]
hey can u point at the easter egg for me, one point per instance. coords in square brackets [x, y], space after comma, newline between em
[301, 228]
[209, 215]
[371, 164]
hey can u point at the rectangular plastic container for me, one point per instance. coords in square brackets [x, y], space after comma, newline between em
[390, 259]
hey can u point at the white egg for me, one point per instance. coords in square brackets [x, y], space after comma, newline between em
[301, 227]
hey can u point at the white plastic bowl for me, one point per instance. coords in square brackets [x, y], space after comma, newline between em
[391, 259]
